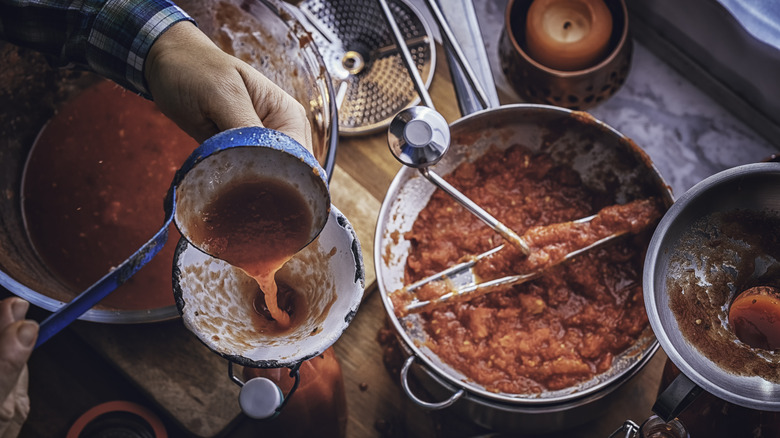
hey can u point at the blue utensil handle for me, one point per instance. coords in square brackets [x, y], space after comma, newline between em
[72, 310]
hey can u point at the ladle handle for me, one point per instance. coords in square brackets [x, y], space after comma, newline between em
[72, 310]
[676, 397]
[505, 232]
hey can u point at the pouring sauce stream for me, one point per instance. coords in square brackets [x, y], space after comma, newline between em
[256, 225]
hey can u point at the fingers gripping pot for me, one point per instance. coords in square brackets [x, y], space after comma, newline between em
[608, 163]
[216, 299]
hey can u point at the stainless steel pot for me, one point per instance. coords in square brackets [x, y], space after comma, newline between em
[751, 187]
[608, 162]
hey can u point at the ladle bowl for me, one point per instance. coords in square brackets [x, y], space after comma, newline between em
[752, 187]
[232, 157]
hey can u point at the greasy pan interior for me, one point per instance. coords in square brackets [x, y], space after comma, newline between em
[607, 162]
[751, 187]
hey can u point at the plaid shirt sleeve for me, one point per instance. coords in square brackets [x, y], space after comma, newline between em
[109, 37]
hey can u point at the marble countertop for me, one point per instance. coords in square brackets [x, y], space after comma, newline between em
[687, 134]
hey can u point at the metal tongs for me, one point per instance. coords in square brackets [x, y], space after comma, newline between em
[464, 285]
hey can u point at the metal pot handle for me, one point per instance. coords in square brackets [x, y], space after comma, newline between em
[676, 397]
[629, 429]
[424, 404]
[653, 426]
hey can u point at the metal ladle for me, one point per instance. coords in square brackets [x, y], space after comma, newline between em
[419, 136]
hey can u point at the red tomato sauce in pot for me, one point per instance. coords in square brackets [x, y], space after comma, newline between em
[93, 192]
[551, 333]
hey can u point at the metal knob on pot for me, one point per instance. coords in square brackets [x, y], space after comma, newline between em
[260, 398]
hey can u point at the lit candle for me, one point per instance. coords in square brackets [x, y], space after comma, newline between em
[568, 34]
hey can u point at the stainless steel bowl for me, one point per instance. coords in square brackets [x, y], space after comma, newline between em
[608, 162]
[31, 91]
[752, 187]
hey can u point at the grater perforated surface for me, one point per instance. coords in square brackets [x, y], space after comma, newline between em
[368, 74]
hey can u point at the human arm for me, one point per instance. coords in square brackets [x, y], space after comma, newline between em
[111, 38]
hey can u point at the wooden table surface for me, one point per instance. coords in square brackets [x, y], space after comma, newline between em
[191, 385]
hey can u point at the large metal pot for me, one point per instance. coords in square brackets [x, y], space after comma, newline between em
[31, 91]
[609, 163]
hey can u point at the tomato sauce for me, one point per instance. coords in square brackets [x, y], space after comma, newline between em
[547, 334]
[256, 225]
[93, 192]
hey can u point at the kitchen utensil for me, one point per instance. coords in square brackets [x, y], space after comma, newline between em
[751, 187]
[420, 137]
[362, 60]
[464, 285]
[232, 157]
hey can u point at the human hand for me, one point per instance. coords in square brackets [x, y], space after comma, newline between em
[206, 91]
[17, 338]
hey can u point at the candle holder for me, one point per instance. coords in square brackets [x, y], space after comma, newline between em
[577, 89]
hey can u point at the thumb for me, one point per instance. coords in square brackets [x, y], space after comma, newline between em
[16, 346]
[275, 107]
